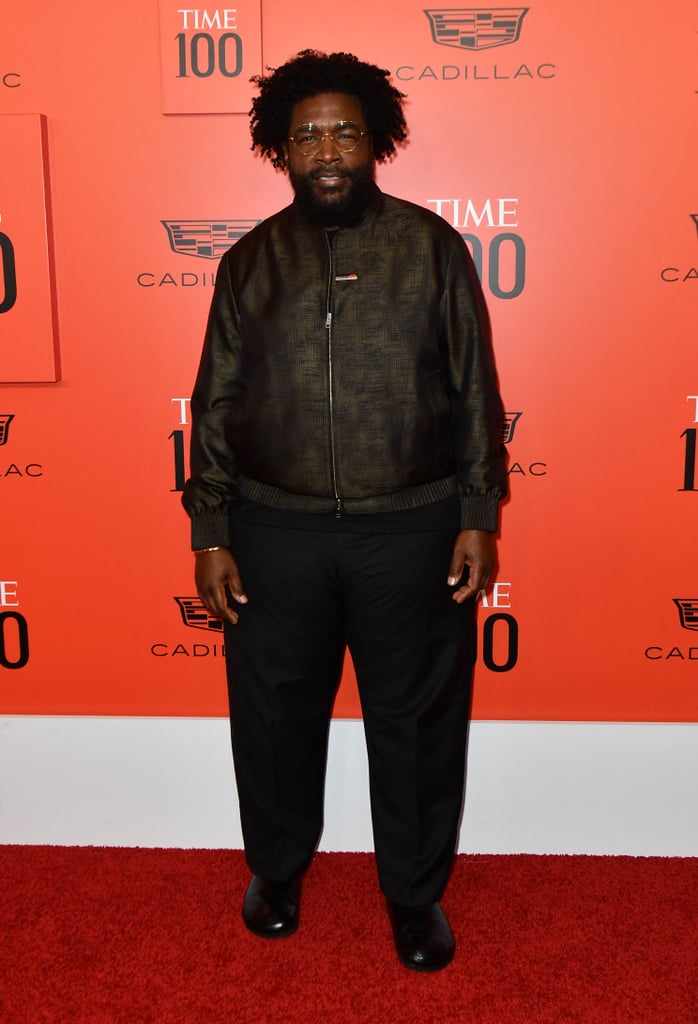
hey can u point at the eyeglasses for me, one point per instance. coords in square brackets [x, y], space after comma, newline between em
[308, 138]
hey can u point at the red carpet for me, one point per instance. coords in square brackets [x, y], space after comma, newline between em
[105, 936]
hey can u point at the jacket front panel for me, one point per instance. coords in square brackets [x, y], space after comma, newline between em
[370, 380]
[350, 367]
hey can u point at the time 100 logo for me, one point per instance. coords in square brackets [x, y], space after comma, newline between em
[8, 274]
[14, 632]
[204, 54]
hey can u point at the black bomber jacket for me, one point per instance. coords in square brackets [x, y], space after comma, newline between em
[348, 371]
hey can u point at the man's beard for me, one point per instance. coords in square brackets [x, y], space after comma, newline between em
[342, 212]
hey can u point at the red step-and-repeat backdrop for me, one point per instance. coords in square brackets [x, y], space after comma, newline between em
[559, 138]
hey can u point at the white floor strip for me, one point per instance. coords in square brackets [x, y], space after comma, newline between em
[533, 787]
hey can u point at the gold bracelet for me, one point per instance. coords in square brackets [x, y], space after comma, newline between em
[200, 551]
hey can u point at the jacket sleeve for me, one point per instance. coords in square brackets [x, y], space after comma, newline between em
[478, 414]
[210, 487]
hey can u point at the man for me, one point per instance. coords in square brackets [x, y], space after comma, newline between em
[346, 469]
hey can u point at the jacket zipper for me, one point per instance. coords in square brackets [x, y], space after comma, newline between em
[328, 326]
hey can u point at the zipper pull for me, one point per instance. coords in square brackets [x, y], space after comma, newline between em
[328, 320]
[338, 510]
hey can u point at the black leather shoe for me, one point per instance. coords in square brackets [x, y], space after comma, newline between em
[422, 935]
[272, 909]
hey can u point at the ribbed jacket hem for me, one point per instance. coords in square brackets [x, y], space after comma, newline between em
[477, 511]
[393, 501]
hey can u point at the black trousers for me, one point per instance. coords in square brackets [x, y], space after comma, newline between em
[384, 596]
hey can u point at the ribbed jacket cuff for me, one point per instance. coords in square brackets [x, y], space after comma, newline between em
[479, 512]
[210, 531]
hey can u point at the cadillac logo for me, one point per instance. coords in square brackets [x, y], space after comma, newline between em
[5, 420]
[472, 28]
[509, 426]
[208, 239]
[688, 611]
[196, 616]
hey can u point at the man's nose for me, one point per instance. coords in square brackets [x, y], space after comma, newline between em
[328, 152]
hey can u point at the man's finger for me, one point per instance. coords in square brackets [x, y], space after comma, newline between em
[462, 594]
[478, 581]
[454, 574]
[236, 589]
[217, 604]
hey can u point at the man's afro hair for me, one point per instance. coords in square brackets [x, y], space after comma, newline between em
[310, 73]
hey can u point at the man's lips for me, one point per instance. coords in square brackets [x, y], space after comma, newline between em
[329, 176]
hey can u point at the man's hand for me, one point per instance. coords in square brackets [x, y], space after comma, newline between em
[478, 550]
[214, 570]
